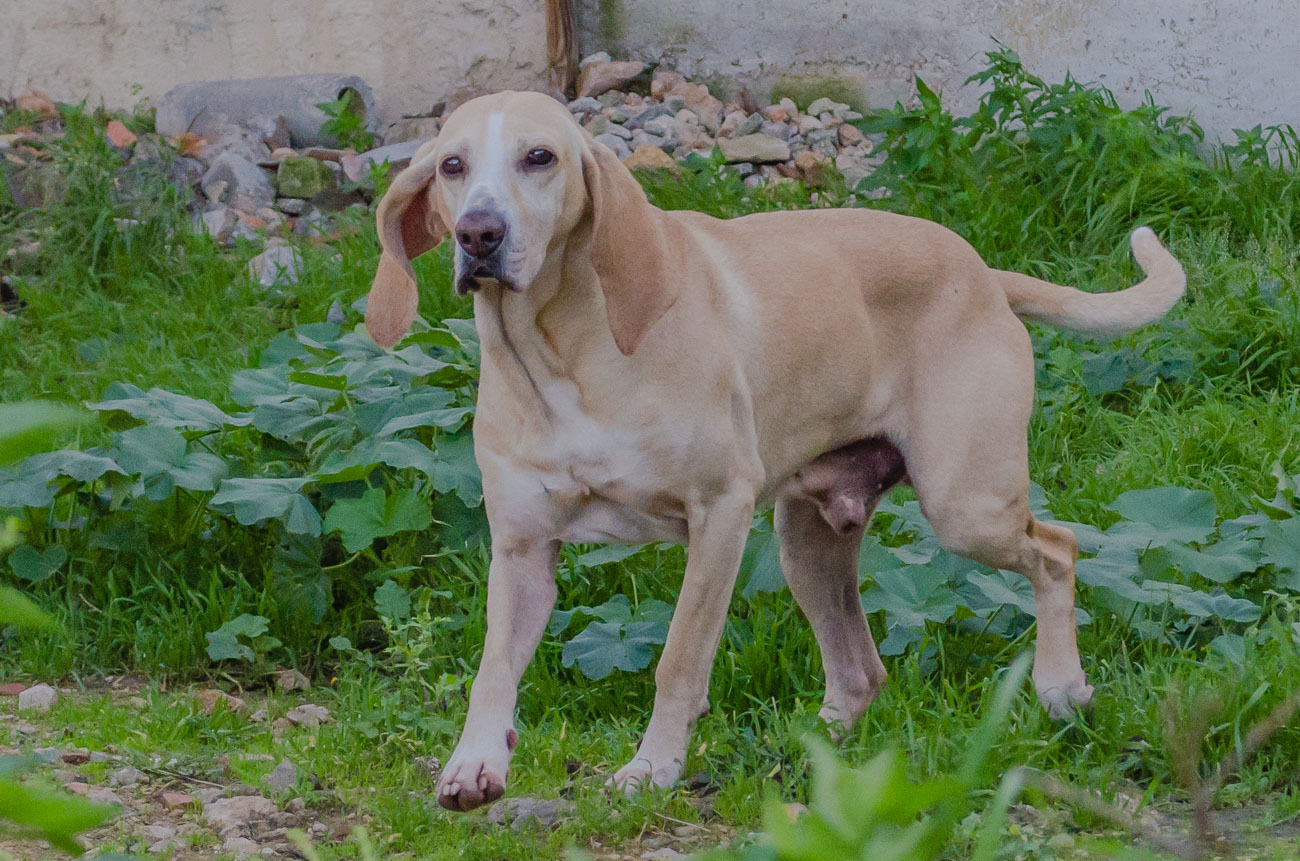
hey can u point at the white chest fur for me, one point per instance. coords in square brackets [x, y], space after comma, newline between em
[583, 479]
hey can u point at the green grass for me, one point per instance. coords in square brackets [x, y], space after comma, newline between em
[157, 306]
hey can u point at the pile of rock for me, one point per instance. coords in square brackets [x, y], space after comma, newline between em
[252, 184]
[777, 143]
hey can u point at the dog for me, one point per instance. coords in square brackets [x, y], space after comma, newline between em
[659, 376]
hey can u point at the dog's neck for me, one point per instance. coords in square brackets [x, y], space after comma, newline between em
[532, 339]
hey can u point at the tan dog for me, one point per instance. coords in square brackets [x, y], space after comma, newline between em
[657, 376]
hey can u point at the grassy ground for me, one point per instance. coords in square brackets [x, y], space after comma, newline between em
[1211, 401]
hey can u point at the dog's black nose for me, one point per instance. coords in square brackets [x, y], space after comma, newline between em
[480, 233]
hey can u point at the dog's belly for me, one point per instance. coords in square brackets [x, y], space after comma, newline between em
[600, 520]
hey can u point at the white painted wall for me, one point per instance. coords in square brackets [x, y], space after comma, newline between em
[413, 53]
[1236, 62]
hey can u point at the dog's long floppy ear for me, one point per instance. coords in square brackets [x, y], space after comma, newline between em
[628, 248]
[408, 226]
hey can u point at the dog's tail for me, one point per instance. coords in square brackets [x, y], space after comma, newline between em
[1103, 313]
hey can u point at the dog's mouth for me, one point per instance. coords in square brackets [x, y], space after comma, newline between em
[476, 275]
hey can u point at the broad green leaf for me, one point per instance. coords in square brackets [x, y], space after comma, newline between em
[1114, 570]
[54, 814]
[224, 646]
[761, 563]
[449, 419]
[912, 595]
[456, 470]
[607, 554]
[1004, 588]
[17, 610]
[223, 643]
[162, 458]
[166, 409]
[36, 565]
[1204, 604]
[603, 647]
[250, 500]
[1280, 547]
[26, 428]
[1178, 513]
[393, 602]
[1221, 562]
[377, 514]
[1230, 646]
[358, 462]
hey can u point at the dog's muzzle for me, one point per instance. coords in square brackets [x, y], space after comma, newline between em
[480, 235]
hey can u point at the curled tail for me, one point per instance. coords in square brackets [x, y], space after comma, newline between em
[1103, 313]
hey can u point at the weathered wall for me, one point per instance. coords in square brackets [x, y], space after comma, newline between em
[1236, 62]
[412, 52]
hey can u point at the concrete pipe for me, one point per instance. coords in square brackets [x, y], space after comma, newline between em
[256, 103]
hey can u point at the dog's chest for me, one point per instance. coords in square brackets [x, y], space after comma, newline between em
[586, 479]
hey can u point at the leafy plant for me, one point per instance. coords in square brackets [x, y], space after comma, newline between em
[224, 644]
[876, 811]
[347, 121]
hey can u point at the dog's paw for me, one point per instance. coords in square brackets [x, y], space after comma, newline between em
[476, 774]
[641, 774]
[1064, 700]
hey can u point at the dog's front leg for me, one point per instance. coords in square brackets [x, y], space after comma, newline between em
[717, 539]
[521, 593]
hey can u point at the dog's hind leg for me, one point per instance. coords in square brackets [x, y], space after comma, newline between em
[821, 566]
[967, 456]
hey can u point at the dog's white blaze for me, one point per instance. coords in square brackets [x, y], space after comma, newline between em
[489, 171]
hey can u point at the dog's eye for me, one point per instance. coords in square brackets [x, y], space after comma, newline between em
[539, 157]
[452, 166]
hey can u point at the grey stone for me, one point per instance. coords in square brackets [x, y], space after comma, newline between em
[412, 129]
[311, 224]
[225, 814]
[398, 156]
[664, 854]
[599, 77]
[283, 778]
[185, 172]
[291, 205]
[159, 832]
[519, 811]
[241, 847]
[585, 105]
[823, 141]
[757, 148]
[126, 776]
[218, 223]
[208, 794]
[784, 131]
[47, 754]
[617, 144]
[245, 143]
[38, 698]
[276, 267]
[748, 126]
[856, 164]
[668, 128]
[825, 105]
[619, 131]
[100, 795]
[246, 185]
[642, 138]
[598, 57]
[650, 112]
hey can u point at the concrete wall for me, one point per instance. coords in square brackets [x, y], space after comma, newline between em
[413, 53]
[1236, 62]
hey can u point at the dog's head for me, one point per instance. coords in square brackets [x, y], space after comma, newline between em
[518, 183]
